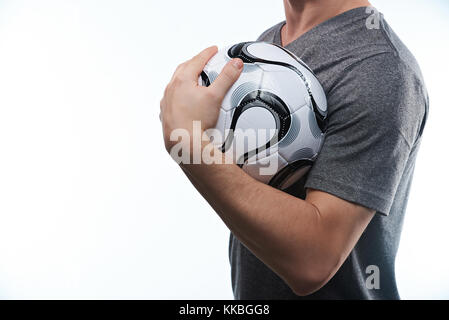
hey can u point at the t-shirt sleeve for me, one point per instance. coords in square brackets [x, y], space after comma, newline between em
[375, 110]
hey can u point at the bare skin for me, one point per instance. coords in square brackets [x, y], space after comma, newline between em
[303, 15]
[304, 241]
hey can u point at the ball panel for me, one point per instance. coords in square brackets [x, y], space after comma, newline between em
[317, 91]
[313, 126]
[292, 134]
[255, 127]
[305, 141]
[269, 52]
[241, 91]
[285, 83]
[253, 81]
[264, 169]
[224, 119]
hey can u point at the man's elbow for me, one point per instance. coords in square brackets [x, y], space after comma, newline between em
[306, 287]
[308, 282]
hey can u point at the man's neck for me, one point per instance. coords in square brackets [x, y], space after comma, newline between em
[303, 15]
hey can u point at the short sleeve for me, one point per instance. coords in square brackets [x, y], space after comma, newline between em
[375, 111]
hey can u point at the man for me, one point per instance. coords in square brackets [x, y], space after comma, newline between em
[335, 234]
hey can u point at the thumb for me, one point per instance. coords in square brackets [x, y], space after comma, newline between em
[227, 77]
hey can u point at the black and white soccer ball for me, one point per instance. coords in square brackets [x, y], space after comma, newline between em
[278, 93]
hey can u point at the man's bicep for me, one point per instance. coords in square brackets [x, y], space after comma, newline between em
[330, 205]
[343, 222]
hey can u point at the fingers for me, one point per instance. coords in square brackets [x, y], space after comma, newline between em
[195, 65]
[227, 77]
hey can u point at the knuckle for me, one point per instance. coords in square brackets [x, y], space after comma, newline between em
[211, 95]
[180, 67]
[192, 60]
[177, 79]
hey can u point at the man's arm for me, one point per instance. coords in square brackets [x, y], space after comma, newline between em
[303, 241]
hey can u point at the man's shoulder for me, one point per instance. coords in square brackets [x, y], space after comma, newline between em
[402, 52]
[374, 59]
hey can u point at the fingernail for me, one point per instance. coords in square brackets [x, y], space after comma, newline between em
[237, 63]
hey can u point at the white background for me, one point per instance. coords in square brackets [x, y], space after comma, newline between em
[91, 206]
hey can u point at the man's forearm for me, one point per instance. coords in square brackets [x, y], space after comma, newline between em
[285, 232]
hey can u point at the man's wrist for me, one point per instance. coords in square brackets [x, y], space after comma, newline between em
[194, 147]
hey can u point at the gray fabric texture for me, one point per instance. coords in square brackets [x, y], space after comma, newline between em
[378, 105]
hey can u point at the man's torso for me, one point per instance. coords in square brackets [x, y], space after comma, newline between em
[334, 50]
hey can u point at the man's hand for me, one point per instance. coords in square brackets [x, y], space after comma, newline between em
[185, 101]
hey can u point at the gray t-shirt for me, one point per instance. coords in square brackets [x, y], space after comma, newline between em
[377, 104]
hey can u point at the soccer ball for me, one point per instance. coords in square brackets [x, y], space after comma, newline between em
[278, 94]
